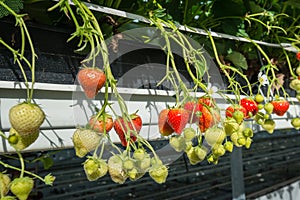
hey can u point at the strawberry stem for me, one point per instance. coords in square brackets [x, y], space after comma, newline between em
[22, 163]
[20, 56]
[24, 171]
[234, 85]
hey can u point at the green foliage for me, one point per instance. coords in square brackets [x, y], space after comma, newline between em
[237, 60]
[15, 5]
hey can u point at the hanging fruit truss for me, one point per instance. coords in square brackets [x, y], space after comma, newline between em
[194, 125]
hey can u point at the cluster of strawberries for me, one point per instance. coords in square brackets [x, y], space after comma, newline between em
[201, 112]
[119, 166]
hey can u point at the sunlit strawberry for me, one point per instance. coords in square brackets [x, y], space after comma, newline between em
[207, 101]
[103, 123]
[164, 128]
[194, 109]
[91, 80]
[177, 119]
[250, 105]
[280, 107]
[124, 126]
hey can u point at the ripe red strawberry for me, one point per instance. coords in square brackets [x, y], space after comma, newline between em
[97, 124]
[123, 126]
[177, 119]
[208, 118]
[280, 107]
[91, 80]
[194, 109]
[164, 128]
[250, 105]
[298, 56]
[208, 101]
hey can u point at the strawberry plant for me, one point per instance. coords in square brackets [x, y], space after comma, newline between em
[193, 124]
[25, 117]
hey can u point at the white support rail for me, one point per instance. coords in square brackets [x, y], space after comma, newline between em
[66, 107]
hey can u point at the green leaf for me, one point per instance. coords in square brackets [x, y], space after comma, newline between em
[15, 5]
[255, 8]
[47, 162]
[238, 60]
[294, 3]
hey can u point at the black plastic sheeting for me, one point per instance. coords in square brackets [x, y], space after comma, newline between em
[270, 161]
[58, 63]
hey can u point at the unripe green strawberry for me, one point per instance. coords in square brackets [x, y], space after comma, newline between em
[259, 98]
[228, 146]
[144, 164]
[260, 106]
[156, 161]
[269, 125]
[269, 108]
[295, 85]
[95, 168]
[201, 152]
[139, 154]
[298, 70]
[218, 150]
[212, 159]
[214, 136]
[266, 116]
[259, 119]
[248, 132]
[26, 118]
[115, 169]
[12, 138]
[21, 187]
[133, 174]
[136, 173]
[234, 138]
[159, 173]
[241, 141]
[128, 163]
[296, 123]
[230, 126]
[248, 143]
[238, 116]
[188, 145]
[4, 183]
[85, 140]
[20, 142]
[189, 133]
[178, 143]
[192, 156]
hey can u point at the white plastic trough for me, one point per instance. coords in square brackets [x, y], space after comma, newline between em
[63, 106]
